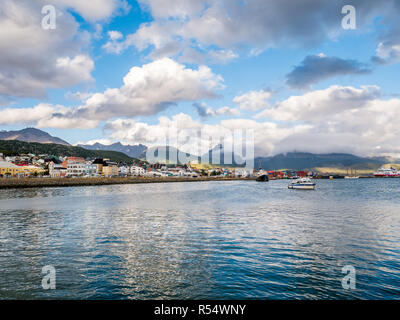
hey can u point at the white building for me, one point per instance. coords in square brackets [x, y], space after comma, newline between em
[11, 159]
[124, 170]
[79, 169]
[39, 161]
[137, 171]
[179, 172]
[242, 173]
[154, 174]
[76, 169]
[56, 170]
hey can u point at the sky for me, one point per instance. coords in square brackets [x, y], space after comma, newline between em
[306, 75]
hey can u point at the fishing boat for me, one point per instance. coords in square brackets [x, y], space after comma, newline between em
[302, 184]
[262, 178]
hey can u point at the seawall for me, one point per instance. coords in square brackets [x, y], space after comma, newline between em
[11, 183]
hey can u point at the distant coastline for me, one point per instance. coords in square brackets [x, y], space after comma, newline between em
[13, 183]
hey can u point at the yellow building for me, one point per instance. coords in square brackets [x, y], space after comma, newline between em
[30, 170]
[10, 169]
[110, 170]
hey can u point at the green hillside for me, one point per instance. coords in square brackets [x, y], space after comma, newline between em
[303, 160]
[19, 147]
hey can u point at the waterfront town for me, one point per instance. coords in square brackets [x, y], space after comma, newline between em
[199, 157]
[42, 166]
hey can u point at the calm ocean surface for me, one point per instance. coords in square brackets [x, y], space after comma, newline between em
[202, 240]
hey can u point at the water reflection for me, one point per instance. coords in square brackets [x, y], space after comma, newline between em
[216, 240]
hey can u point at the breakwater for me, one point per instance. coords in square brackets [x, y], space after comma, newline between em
[10, 183]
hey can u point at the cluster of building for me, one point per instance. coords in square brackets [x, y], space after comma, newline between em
[288, 174]
[21, 166]
[45, 165]
[80, 167]
[59, 167]
[247, 173]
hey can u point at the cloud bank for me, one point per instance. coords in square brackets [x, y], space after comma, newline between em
[146, 90]
[315, 68]
[182, 29]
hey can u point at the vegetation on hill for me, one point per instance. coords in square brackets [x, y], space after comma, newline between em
[17, 147]
[302, 160]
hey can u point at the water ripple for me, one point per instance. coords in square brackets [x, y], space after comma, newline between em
[208, 240]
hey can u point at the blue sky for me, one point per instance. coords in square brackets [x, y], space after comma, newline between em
[232, 59]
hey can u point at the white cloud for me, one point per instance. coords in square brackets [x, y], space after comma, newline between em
[222, 56]
[253, 100]
[73, 70]
[337, 119]
[340, 119]
[45, 116]
[151, 88]
[320, 105]
[192, 136]
[254, 24]
[369, 131]
[388, 52]
[92, 10]
[191, 55]
[114, 35]
[388, 48]
[33, 59]
[105, 141]
[159, 35]
[147, 90]
[227, 111]
[78, 96]
[205, 111]
[176, 8]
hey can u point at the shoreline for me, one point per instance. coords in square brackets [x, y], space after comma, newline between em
[17, 183]
[20, 183]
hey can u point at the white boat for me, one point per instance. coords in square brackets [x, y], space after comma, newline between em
[387, 172]
[302, 184]
[352, 175]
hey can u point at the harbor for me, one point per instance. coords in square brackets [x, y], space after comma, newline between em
[202, 240]
[198, 157]
[257, 175]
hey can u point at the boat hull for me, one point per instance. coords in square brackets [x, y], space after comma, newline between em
[262, 178]
[387, 175]
[302, 187]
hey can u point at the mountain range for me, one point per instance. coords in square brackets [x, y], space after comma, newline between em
[223, 157]
[303, 160]
[168, 154]
[16, 147]
[291, 160]
[31, 135]
[135, 151]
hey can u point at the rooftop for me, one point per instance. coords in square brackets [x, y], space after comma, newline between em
[5, 164]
